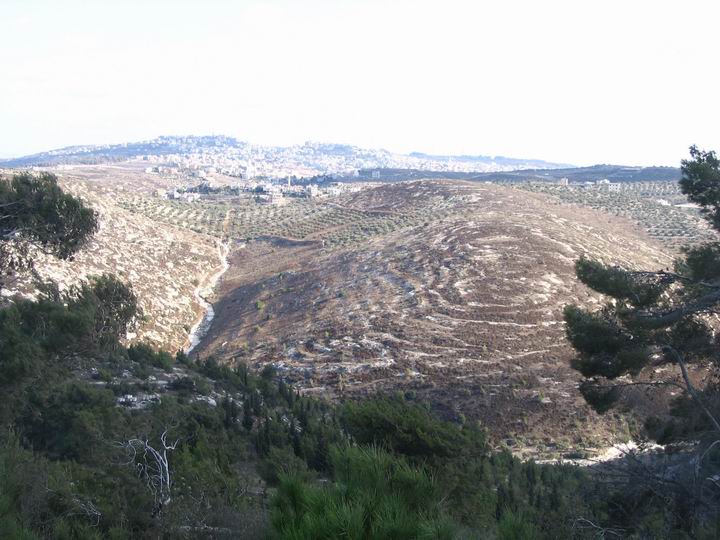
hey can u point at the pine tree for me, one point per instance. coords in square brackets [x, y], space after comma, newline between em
[247, 420]
[35, 211]
[655, 318]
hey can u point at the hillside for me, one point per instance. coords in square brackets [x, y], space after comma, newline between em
[531, 173]
[449, 292]
[309, 158]
[461, 309]
[164, 264]
[595, 173]
[659, 208]
[420, 322]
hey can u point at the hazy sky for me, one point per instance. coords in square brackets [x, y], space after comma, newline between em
[629, 82]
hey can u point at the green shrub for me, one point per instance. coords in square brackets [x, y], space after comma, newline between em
[373, 495]
[408, 429]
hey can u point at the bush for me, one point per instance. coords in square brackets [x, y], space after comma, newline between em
[282, 462]
[408, 429]
[373, 495]
[145, 355]
[514, 527]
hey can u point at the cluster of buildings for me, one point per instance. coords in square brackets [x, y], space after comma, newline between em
[175, 195]
[227, 156]
[602, 184]
[230, 162]
[261, 191]
[279, 193]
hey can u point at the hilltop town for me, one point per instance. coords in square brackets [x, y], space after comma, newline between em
[231, 157]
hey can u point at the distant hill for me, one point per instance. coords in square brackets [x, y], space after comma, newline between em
[613, 173]
[501, 160]
[96, 154]
[322, 158]
[347, 162]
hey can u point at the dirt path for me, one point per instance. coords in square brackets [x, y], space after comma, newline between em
[198, 331]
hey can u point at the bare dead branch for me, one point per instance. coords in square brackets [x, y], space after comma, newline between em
[152, 466]
[600, 532]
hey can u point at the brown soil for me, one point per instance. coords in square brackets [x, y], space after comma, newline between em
[463, 310]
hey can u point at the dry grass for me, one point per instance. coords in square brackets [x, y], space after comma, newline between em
[462, 308]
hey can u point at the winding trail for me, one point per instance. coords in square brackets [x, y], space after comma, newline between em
[202, 293]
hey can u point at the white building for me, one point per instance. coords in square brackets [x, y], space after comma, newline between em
[274, 198]
[312, 191]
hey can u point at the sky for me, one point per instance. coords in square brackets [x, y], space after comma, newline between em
[628, 82]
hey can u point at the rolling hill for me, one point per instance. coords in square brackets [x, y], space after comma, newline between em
[461, 310]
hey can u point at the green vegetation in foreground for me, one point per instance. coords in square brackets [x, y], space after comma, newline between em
[262, 462]
[66, 468]
[222, 452]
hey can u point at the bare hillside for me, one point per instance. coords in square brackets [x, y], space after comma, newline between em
[462, 309]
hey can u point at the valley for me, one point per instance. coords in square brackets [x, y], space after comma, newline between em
[448, 292]
[462, 310]
[359, 270]
[279, 322]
